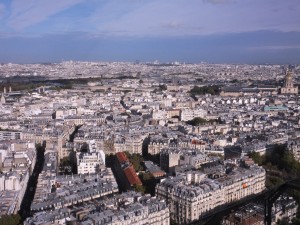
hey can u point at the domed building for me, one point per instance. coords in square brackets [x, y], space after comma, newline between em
[288, 86]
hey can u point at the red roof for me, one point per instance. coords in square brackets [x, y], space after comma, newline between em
[121, 157]
[131, 176]
[197, 142]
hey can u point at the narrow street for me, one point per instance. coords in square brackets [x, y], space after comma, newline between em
[32, 182]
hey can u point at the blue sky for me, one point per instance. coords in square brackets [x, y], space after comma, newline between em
[232, 31]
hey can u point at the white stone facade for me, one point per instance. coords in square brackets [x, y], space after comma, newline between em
[190, 195]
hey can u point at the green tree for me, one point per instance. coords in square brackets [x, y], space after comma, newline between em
[139, 188]
[213, 90]
[11, 220]
[257, 158]
[197, 121]
[162, 87]
[279, 163]
[136, 160]
[149, 182]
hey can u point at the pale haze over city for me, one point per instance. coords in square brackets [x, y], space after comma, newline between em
[218, 31]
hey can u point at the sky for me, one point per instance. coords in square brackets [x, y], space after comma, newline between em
[216, 31]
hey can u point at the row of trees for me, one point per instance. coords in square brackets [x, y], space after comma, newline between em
[161, 87]
[213, 90]
[281, 166]
[58, 84]
[279, 162]
[197, 121]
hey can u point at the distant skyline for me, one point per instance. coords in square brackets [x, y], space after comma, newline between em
[217, 31]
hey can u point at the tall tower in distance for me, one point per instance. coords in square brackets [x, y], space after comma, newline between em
[288, 85]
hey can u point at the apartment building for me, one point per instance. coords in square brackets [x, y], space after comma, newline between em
[191, 194]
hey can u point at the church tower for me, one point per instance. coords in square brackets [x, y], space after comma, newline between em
[288, 86]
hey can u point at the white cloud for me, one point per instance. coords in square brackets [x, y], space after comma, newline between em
[177, 18]
[154, 17]
[146, 18]
[31, 12]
